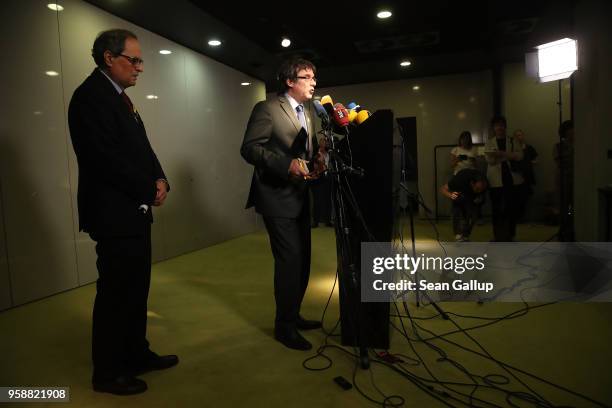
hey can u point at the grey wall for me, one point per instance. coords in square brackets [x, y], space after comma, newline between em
[446, 105]
[593, 109]
[195, 126]
[443, 106]
[533, 107]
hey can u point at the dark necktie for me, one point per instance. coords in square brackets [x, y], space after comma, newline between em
[130, 105]
[302, 119]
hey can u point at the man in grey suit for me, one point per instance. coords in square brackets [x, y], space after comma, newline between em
[279, 140]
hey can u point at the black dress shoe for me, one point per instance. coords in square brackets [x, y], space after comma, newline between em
[123, 385]
[154, 362]
[292, 339]
[303, 324]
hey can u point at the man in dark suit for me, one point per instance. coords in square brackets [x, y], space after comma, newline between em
[120, 179]
[279, 140]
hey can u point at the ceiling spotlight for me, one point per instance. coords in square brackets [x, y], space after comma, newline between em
[384, 14]
[214, 43]
[245, 83]
[285, 42]
[52, 73]
[55, 7]
[152, 97]
[405, 63]
[165, 52]
[416, 88]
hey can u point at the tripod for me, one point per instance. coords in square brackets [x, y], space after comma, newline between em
[346, 210]
[415, 201]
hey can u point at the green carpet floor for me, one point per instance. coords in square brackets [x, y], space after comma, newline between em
[214, 308]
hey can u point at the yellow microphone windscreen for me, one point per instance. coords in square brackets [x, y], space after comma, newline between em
[326, 99]
[362, 116]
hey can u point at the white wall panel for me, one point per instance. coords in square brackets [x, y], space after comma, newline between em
[195, 127]
[37, 202]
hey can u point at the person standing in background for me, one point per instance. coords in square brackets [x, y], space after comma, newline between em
[501, 152]
[465, 156]
[525, 166]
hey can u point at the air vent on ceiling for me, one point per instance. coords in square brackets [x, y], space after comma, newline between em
[517, 27]
[415, 40]
[307, 53]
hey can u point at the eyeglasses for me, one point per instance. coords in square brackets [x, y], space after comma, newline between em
[308, 78]
[133, 60]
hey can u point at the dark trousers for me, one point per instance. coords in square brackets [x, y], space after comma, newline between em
[505, 207]
[465, 213]
[120, 309]
[290, 242]
[525, 191]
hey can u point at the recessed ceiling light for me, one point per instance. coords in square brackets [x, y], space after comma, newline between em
[384, 14]
[55, 7]
[245, 83]
[214, 43]
[165, 52]
[286, 42]
[152, 97]
[405, 63]
[416, 88]
[51, 73]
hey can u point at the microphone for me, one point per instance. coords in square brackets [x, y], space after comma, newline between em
[328, 104]
[354, 106]
[341, 115]
[321, 113]
[362, 116]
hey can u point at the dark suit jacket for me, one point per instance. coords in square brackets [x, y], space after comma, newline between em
[272, 139]
[117, 166]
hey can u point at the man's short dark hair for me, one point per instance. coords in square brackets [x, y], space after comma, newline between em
[110, 40]
[499, 119]
[466, 137]
[289, 70]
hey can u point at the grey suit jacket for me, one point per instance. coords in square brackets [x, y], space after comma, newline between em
[273, 138]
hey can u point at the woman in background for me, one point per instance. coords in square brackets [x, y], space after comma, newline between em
[463, 156]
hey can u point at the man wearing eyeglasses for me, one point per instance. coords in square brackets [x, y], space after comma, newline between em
[280, 142]
[120, 179]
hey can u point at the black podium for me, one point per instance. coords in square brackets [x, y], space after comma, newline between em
[371, 147]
